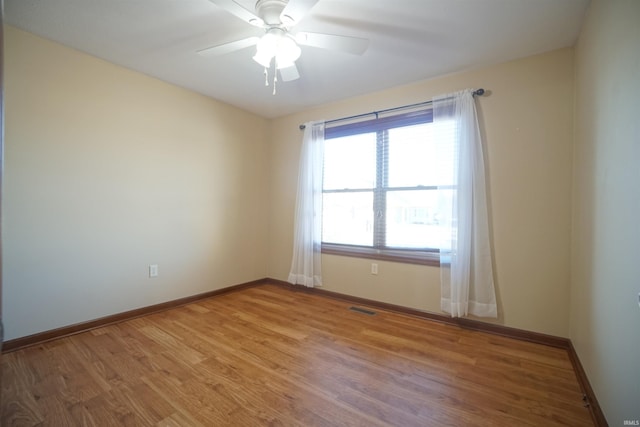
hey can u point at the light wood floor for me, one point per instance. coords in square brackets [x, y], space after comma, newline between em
[271, 356]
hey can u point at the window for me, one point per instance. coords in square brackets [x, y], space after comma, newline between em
[386, 184]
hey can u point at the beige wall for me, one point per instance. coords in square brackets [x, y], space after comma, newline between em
[108, 171]
[528, 130]
[605, 317]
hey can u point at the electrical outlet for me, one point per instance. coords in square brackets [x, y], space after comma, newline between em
[153, 270]
[374, 268]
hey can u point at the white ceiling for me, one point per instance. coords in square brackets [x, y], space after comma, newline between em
[410, 40]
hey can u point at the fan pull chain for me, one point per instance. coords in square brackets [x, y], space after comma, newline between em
[266, 76]
[275, 79]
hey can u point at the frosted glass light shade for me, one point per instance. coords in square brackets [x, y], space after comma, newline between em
[288, 52]
[279, 45]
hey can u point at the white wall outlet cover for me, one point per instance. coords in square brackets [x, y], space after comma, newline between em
[153, 270]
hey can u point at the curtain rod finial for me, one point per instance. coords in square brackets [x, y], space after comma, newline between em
[302, 127]
[479, 92]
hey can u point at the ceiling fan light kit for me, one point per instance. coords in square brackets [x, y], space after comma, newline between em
[278, 48]
[279, 45]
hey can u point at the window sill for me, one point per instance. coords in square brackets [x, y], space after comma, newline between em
[431, 258]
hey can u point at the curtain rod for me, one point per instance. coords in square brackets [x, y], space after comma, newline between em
[478, 92]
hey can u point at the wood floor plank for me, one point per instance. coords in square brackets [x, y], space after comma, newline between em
[178, 419]
[270, 356]
[57, 413]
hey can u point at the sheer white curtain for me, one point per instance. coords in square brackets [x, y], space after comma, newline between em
[306, 267]
[465, 252]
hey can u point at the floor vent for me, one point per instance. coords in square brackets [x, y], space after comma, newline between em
[363, 311]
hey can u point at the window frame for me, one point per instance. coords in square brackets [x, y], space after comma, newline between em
[381, 125]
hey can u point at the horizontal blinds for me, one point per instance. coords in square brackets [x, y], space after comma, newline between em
[379, 123]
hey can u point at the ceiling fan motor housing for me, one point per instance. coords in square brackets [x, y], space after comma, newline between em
[270, 11]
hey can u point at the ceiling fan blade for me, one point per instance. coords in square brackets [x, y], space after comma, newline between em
[228, 47]
[289, 73]
[239, 11]
[295, 11]
[353, 45]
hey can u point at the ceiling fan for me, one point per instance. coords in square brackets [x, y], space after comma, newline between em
[278, 48]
